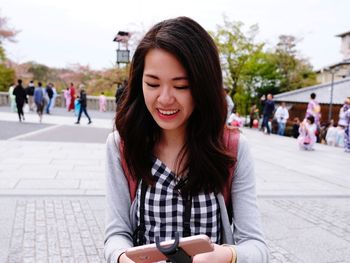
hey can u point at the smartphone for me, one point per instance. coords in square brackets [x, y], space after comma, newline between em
[149, 253]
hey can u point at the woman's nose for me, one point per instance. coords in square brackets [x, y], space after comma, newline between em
[166, 96]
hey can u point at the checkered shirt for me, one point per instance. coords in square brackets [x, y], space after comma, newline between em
[164, 209]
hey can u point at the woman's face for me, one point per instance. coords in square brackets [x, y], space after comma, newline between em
[166, 90]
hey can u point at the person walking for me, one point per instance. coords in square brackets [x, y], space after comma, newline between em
[102, 101]
[67, 98]
[21, 98]
[49, 93]
[30, 92]
[72, 97]
[229, 102]
[83, 106]
[39, 100]
[167, 161]
[12, 98]
[314, 109]
[77, 106]
[269, 107]
[282, 116]
[119, 93]
[54, 96]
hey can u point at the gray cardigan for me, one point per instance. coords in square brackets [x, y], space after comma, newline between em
[246, 236]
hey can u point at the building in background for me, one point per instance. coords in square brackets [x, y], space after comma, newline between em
[297, 100]
[340, 69]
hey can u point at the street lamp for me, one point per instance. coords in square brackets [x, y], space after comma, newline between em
[334, 69]
[122, 54]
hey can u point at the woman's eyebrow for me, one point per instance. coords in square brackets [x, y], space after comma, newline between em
[180, 78]
[176, 78]
[151, 76]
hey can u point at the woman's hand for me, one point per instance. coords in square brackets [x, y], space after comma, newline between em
[124, 259]
[220, 254]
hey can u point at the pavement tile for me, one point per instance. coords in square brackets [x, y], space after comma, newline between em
[48, 184]
[8, 183]
[57, 210]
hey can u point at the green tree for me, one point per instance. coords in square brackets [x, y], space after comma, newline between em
[260, 76]
[40, 72]
[236, 49]
[7, 75]
[251, 72]
[296, 71]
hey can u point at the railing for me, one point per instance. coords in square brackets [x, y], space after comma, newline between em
[92, 101]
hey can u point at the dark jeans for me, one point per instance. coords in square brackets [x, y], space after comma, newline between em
[83, 109]
[48, 106]
[265, 123]
[20, 109]
[281, 128]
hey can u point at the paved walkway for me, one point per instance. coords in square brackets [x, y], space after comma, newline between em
[52, 192]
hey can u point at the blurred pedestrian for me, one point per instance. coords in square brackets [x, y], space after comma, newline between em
[332, 133]
[102, 101]
[340, 136]
[119, 93]
[235, 120]
[39, 100]
[253, 115]
[67, 98]
[307, 134]
[12, 98]
[30, 92]
[282, 116]
[229, 102]
[295, 128]
[21, 98]
[269, 107]
[49, 93]
[72, 96]
[342, 113]
[54, 96]
[83, 106]
[314, 109]
[77, 106]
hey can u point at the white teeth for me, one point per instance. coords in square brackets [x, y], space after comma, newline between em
[168, 112]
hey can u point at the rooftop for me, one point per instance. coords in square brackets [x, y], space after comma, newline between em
[341, 90]
[343, 34]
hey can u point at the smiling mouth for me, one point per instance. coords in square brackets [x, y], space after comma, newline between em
[167, 112]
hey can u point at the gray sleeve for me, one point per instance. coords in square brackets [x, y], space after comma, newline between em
[248, 237]
[118, 231]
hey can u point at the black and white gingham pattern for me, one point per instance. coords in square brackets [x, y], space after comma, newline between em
[164, 209]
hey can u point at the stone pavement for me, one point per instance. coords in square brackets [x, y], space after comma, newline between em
[52, 193]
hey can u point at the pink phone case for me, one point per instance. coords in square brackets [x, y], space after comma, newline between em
[191, 245]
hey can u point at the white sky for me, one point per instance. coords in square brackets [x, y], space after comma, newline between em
[62, 32]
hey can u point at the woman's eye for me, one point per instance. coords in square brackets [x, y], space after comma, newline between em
[152, 85]
[182, 87]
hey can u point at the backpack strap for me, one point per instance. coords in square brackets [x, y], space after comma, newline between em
[231, 139]
[132, 182]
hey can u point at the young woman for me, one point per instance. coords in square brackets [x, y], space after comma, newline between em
[170, 130]
[307, 134]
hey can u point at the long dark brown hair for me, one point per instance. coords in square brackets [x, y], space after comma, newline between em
[203, 156]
